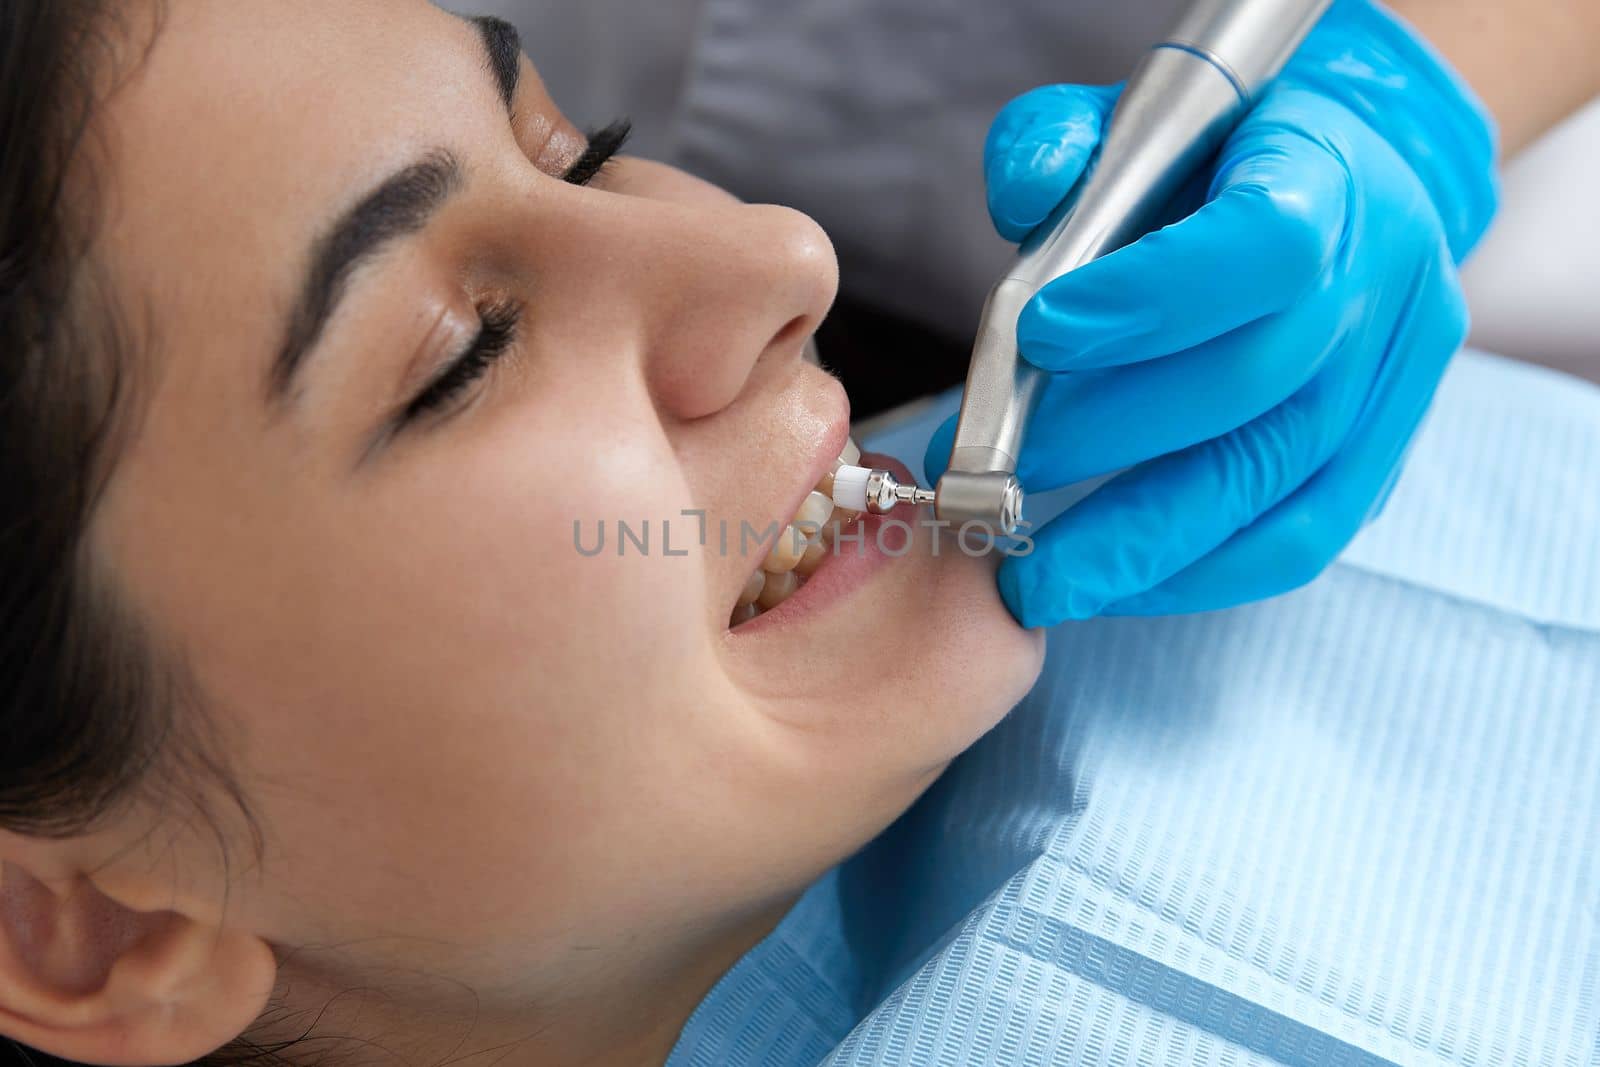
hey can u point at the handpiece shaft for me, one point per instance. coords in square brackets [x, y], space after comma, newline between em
[1178, 108]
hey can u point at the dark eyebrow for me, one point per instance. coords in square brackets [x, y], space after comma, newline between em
[503, 44]
[398, 208]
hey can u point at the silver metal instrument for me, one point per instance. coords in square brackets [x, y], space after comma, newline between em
[1178, 108]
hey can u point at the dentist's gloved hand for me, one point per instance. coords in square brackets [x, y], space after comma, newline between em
[1262, 364]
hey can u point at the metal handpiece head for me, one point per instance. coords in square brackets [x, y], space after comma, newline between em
[994, 497]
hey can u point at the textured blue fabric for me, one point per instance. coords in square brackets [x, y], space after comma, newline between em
[1261, 363]
[1358, 824]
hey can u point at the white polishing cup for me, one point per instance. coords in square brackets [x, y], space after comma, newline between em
[850, 487]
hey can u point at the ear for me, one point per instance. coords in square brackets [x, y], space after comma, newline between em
[89, 979]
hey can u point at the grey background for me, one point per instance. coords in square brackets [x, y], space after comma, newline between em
[870, 116]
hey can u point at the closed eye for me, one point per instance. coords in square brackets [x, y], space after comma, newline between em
[499, 322]
[497, 332]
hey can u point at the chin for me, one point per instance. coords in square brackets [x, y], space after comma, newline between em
[873, 705]
[975, 661]
[924, 663]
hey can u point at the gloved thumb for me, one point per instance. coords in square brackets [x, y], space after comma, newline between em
[1037, 150]
[937, 456]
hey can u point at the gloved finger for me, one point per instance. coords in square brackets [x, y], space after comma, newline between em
[937, 456]
[1037, 149]
[1299, 538]
[1091, 423]
[1150, 523]
[1270, 232]
[1387, 489]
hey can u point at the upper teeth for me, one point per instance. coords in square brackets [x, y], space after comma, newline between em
[814, 511]
[800, 548]
[809, 562]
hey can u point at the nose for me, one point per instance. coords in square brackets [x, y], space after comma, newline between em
[715, 289]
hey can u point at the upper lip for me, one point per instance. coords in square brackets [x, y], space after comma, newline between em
[821, 461]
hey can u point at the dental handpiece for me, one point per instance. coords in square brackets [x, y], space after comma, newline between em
[1184, 100]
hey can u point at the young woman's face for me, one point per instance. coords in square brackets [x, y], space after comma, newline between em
[472, 747]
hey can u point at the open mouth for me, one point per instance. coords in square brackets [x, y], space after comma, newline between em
[799, 549]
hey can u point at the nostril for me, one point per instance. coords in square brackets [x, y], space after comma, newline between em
[792, 335]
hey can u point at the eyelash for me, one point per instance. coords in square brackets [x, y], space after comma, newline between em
[496, 332]
[604, 144]
[498, 322]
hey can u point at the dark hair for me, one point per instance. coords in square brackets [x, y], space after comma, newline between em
[72, 707]
[87, 709]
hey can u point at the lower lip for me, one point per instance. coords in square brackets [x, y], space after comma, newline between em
[849, 566]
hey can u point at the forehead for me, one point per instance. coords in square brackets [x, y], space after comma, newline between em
[248, 126]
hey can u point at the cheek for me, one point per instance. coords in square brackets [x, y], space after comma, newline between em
[562, 552]
[440, 605]
[489, 706]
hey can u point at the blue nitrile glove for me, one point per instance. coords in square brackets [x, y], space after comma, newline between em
[1262, 364]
